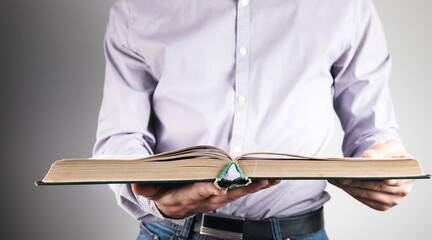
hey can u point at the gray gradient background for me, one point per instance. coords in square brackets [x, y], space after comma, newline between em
[52, 69]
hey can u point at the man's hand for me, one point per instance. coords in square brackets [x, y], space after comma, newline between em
[379, 195]
[180, 201]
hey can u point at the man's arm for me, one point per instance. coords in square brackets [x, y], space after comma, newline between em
[187, 200]
[363, 104]
[125, 128]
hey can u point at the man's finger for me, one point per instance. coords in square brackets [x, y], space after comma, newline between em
[379, 197]
[234, 194]
[389, 149]
[201, 190]
[402, 189]
[398, 182]
[372, 204]
[272, 183]
[251, 188]
[145, 190]
[378, 185]
[155, 191]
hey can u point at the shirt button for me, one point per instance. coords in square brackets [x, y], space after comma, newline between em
[241, 99]
[244, 2]
[243, 50]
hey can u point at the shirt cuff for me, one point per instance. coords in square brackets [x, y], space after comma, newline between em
[370, 140]
[154, 211]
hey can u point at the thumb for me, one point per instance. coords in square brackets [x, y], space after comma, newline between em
[201, 190]
[389, 149]
[372, 152]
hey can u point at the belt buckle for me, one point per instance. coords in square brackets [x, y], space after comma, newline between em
[221, 226]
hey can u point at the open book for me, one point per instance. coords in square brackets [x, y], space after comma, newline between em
[208, 163]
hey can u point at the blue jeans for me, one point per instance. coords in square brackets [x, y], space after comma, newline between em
[168, 230]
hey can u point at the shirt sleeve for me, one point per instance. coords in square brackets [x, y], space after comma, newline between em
[124, 126]
[361, 94]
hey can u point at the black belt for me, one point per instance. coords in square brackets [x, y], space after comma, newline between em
[229, 227]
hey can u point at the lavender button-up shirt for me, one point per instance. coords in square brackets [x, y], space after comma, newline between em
[248, 75]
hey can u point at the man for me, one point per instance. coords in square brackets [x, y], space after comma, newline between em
[246, 76]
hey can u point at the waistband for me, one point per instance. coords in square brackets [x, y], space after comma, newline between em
[230, 227]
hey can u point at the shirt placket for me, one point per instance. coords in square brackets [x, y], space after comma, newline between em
[241, 77]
